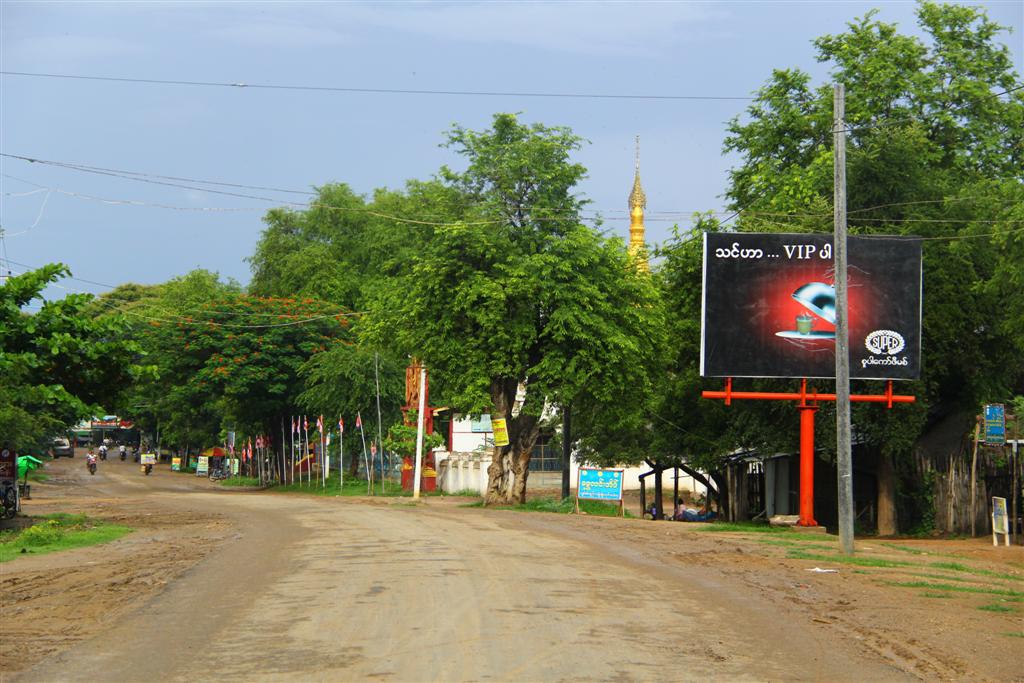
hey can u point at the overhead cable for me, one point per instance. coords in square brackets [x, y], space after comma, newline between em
[379, 91]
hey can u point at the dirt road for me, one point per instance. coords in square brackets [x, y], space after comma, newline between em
[258, 586]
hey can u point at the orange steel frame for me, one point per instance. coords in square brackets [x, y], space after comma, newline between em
[808, 405]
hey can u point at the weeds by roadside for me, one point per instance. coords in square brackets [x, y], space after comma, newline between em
[241, 481]
[58, 532]
[563, 506]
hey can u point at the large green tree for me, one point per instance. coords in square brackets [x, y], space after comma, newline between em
[936, 149]
[57, 364]
[514, 304]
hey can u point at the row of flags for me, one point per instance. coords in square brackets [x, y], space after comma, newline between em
[303, 422]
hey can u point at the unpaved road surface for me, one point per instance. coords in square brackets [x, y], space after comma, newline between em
[235, 586]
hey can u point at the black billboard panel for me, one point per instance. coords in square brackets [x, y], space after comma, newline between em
[769, 306]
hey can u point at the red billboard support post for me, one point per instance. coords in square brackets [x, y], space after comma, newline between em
[807, 405]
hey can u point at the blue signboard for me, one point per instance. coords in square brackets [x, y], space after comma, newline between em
[597, 484]
[995, 424]
[480, 425]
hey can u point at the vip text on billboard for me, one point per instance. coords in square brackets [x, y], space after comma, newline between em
[769, 306]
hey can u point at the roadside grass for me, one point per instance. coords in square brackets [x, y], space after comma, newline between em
[943, 596]
[957, 567]
[351, 487]
[1014, 634]
[465, 493]
[793, 543]
[563, 506]
[1006, 592]
[743, 527]
[858, 560]
[996, 607]
[240, 481]
[906, 549]
[38, 475]
[57, 532]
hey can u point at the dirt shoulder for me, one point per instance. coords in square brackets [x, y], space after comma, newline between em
[50, 602]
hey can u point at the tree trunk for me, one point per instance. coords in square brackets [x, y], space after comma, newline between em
[509, 469]
[886, 497]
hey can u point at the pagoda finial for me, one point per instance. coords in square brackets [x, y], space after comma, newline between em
[637, 198]
[637, 204]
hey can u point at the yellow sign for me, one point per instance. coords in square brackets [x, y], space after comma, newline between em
[500, 432]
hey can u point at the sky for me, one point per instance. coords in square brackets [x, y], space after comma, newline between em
[299, 139]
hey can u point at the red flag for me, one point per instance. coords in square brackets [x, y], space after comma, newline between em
[320, 424]
[305, 423]
[341, 425]
[295, 427]
[359, 421]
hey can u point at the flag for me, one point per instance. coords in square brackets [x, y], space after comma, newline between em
[320, 424]
[295, 426]
[341, 425]
[328, 438]
[359, 421]
[305, 423]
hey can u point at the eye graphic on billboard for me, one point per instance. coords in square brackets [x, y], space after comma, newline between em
[769, 306]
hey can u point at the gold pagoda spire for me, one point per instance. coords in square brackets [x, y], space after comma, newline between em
[637, 204]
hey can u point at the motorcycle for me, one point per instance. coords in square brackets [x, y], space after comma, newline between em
[124, 453]
[147, 468]
[135, 453]
[90, 462]
[103, 452]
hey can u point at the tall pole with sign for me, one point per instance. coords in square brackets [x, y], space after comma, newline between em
[844, 456]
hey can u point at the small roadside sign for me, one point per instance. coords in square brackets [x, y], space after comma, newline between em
[203, 466]
[995, 424]
[148, 458]
[1000, 522]
[593, 483]
[500, 432]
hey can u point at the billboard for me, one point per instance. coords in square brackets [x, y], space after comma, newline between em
[768, 307]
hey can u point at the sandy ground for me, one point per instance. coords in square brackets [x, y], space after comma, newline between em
[234, 586]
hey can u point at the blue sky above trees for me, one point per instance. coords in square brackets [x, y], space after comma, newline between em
[295, 140]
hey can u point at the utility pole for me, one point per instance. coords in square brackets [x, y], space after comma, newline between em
[844, 455]
[566, 447]
[419, 434]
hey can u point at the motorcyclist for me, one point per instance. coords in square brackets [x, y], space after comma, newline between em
[90, 461]
[123, 450]
[103, 451]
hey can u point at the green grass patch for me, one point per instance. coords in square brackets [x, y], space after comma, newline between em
[792, 543]
[240, 481]
[564, 506]
[351, 487]
[58, 532]
[858, 560]
[1014, 634]
[905, 549]
[743, 527]
[996, 607]
[465, 493]
[957, 567]
[958, 589]
[944, 596]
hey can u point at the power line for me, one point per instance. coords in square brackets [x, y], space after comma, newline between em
[663, 216]
[380, 91]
